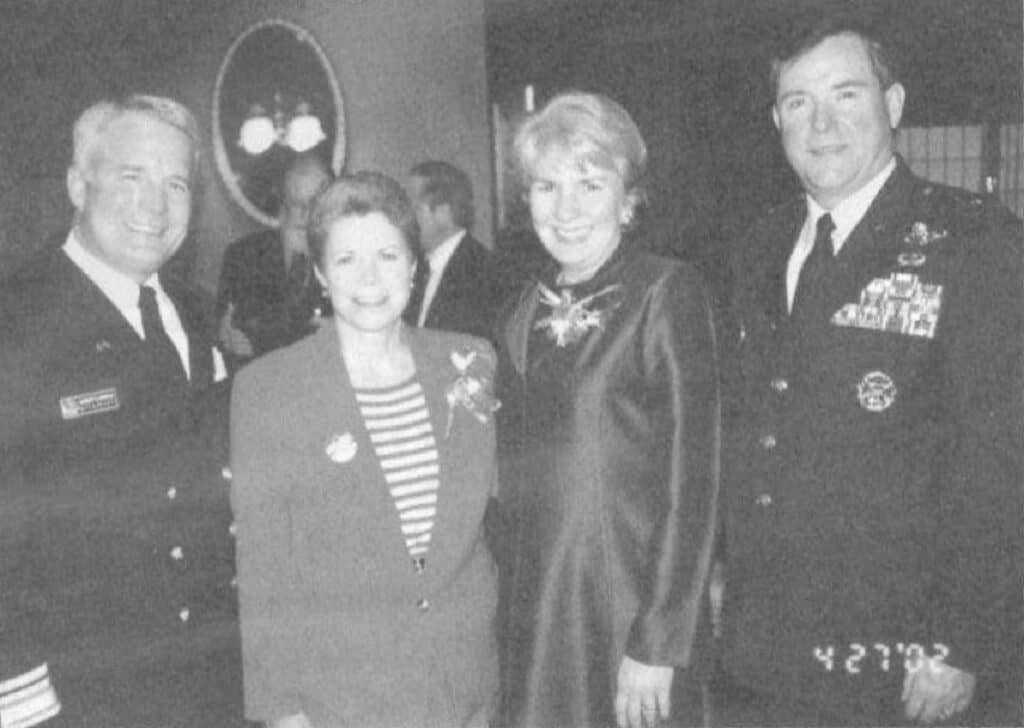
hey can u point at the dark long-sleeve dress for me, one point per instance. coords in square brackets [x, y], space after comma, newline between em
[609, 486]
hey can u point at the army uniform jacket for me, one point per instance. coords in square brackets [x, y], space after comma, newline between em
[874, 463]
[115, 551]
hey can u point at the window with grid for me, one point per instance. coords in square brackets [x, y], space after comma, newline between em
[953, 155]
[947, 154]
[1011, 167]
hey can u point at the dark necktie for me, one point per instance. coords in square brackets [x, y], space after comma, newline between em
[298, 272]
[419, 289]
[162, 352]
[812, 285]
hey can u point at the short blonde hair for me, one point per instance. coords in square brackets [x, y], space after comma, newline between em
[590, 128]
[93, 122]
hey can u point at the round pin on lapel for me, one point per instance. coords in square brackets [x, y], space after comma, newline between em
[876, 391]
[342, 448]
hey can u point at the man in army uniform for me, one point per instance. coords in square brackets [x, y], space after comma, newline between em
[116, 604]
[873, 531]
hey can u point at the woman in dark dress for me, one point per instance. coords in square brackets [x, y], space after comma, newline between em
[608, 445]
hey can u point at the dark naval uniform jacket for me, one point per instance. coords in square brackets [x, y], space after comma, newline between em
[115, 552]
[875, 460]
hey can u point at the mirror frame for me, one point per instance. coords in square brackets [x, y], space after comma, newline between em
[227, 173]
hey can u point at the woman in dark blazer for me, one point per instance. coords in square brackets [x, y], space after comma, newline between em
[609, 429]
[363, 458]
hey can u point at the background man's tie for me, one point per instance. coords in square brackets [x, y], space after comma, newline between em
[419, 288]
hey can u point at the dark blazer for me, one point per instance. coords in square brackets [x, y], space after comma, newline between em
[876, 476]
[335, 621]
[114, 525]
[468, 295]
[271, 310]
[608, 490]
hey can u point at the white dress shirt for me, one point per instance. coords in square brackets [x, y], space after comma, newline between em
[845, 216]
[123, 292]
[438, 259]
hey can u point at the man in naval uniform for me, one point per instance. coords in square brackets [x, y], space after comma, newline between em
[873, 531]
[115, 553]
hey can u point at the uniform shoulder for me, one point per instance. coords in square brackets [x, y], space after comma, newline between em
[957, 216]
[34, 291]
[769, 222]
[960, 209]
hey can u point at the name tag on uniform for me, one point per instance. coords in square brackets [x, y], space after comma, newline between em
[89, 403]
[899, 304]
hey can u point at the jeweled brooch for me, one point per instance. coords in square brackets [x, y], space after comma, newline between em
[570, 320]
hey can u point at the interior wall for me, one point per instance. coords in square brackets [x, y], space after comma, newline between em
[412, 74]
[694, 77]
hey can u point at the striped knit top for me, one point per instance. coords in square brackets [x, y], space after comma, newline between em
[403, 440]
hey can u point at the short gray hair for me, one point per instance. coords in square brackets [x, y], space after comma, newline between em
[592, 128]
[93, 122]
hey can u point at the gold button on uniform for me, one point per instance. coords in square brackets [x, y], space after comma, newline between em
[177, 553]
[172, 493]
[184, 613]
[767, 441]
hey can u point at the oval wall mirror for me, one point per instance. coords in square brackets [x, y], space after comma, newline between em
[276, 96]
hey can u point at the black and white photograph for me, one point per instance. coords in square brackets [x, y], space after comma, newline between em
[511, 363]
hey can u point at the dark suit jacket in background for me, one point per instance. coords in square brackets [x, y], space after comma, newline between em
[468, 295]
[115, 552]
[268, 310]
[335, 620]
[865, 518]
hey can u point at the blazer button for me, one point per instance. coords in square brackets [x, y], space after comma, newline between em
[780, 385]
[768, 441]
[764, 500]
[423, 605]
[184, 613]
[177, 553]
[172, 493]
[225, 473]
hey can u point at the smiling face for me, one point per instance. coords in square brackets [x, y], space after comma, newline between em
[578, 212]
[835, 119]
[133, 198]
[367, 268]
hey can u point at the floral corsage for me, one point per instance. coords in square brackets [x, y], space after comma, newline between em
[570, 320]
[473, 388]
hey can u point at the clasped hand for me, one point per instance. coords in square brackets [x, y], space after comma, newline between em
[937, 692]
[642, 697]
